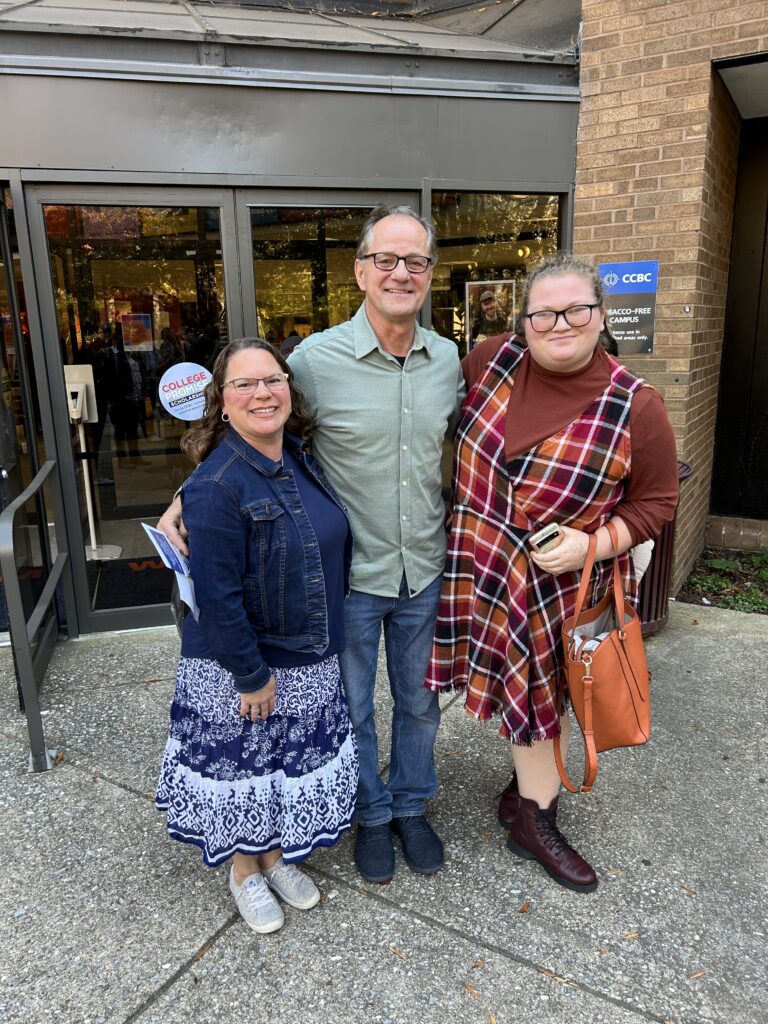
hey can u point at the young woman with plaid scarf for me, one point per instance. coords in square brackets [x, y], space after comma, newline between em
[553, 430]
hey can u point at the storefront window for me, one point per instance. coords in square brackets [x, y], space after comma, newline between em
[303, 264]
[137, 290]
[487, 244]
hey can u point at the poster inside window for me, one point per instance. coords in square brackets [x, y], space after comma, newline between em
[490, 309]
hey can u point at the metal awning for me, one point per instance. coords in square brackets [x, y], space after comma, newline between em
[195, 41]
[192, 19]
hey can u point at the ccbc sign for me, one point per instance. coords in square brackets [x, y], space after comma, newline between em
[624, 278]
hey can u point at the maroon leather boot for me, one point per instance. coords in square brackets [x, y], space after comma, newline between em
[534, 836]
[508, 803]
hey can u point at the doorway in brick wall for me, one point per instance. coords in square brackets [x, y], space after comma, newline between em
[740, 471]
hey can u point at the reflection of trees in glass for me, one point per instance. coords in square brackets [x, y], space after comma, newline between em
[111, 260]
[304, 266]
[486, 237]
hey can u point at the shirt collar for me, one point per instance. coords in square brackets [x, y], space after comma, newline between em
[365, 339]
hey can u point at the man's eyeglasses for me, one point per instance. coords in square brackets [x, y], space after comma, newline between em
[248, 385]
[575, 316]
[388, 261]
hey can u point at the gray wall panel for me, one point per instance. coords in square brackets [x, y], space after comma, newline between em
[82, 123]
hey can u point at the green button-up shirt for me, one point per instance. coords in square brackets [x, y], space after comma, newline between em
[378, 431]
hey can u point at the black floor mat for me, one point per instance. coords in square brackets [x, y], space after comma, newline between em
[128, 582]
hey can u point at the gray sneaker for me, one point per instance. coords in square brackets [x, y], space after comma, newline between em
[292, 885]
[258, 907]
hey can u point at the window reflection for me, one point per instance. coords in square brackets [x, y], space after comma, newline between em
[487, 243]
[137, 291]
[303, 264]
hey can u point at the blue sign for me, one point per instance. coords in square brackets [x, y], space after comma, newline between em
[629, 278]
[630, 303]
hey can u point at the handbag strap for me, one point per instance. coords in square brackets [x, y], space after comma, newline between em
[618, 585]
[590, 750]
[586, 573]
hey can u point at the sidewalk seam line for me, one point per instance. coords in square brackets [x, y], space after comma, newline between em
[180, 971]
[489, 946]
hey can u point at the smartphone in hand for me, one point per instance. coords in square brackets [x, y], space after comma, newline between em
[546, 538]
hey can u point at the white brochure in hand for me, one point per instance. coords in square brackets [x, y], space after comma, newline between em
[176, 561]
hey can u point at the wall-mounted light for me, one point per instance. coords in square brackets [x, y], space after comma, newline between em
[524, 252]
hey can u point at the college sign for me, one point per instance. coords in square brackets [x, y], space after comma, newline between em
[630, 303]
[182, 390]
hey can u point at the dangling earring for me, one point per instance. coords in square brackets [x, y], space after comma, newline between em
[224, 418]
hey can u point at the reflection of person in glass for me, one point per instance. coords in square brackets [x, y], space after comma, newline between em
[289, 342]
[490, 321]
[562, 434]
[261, 763]
[124, 378]
[171, 351]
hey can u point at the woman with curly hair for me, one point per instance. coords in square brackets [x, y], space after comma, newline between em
[261, 764]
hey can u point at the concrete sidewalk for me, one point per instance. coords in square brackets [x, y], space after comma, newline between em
[103, 918]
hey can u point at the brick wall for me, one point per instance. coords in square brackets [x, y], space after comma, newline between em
[655, 177]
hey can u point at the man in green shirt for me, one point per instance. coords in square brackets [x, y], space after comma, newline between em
[383, 393]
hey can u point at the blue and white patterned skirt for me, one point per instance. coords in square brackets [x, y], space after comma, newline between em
[288, 782]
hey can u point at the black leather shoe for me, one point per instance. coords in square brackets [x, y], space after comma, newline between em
[422, 848]
[375, 853]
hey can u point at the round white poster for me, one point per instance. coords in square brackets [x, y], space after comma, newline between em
[181, 390]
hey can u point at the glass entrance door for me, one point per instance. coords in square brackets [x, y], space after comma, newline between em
[137, 287]
[132, 282]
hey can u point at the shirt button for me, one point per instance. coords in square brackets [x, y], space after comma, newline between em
[405, 483]
[405, 517]
[405, 410]
[405, 447]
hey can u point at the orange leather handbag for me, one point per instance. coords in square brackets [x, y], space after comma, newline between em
[607, 673]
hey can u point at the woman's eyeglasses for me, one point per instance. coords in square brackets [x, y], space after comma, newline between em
[575, 316]
[248, 385]
[388, 261]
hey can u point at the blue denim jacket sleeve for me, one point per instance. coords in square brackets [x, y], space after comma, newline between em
[218, 539]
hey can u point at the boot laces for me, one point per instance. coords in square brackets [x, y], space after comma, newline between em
[550, 835]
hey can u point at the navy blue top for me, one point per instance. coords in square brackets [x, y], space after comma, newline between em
[330, 528]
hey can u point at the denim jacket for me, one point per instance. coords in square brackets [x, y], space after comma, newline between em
[254, 557]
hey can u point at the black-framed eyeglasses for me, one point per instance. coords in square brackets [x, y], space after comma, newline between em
[388, 261]
[575, 316]
[248, 385]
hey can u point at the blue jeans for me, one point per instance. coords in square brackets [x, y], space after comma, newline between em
[409, 625]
